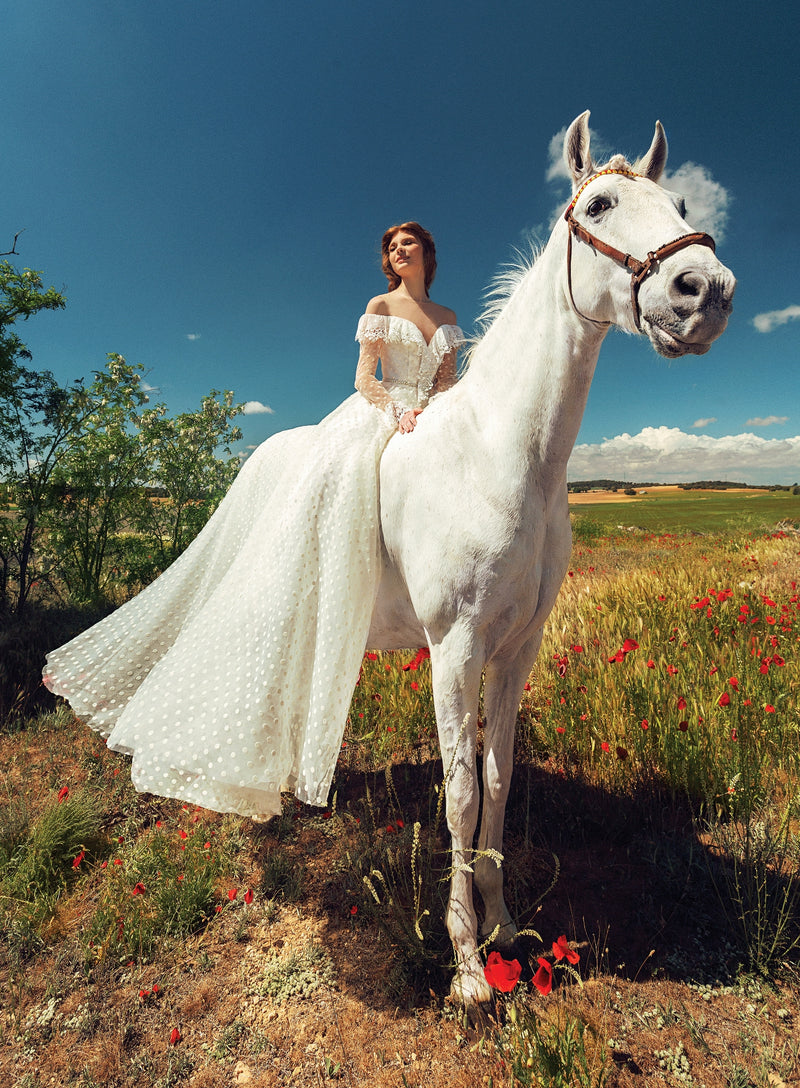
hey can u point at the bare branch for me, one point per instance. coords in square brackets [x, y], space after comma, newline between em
[13, 249]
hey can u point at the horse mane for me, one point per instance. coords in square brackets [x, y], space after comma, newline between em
[499, 292]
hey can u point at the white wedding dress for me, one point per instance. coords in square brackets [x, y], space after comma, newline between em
[229, 678]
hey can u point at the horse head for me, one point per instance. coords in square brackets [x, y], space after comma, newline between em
[632, 259]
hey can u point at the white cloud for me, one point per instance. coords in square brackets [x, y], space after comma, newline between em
[765, 421]
[706, 200]
[700, 423]
[668, 455]
[193, 335]
[773, 318]
[255, 407]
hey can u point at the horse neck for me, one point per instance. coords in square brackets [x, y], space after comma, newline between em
[529, 377]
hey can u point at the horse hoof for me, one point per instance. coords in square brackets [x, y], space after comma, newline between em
[471, 991]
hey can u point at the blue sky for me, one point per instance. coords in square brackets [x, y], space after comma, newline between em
[208, 184]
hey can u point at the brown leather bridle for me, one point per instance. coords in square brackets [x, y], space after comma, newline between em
[639, 269]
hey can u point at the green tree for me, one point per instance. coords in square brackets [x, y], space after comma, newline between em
[187, 477]
[96, 483]
[33, 425]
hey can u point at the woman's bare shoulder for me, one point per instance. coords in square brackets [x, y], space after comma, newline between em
[378, 305]
[443, 315]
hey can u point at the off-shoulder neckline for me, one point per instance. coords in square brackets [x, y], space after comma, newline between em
[408, 321]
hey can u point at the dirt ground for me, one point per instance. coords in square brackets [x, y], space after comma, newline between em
[635, 899]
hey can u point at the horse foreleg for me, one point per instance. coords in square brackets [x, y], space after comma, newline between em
[456, 667]
[503, 687]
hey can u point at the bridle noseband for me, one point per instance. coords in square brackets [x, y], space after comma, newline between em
[639, 270]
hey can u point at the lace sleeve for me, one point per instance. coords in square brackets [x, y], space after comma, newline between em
[446, 375]
[370, 332]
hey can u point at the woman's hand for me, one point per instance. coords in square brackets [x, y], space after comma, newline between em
[408, 420]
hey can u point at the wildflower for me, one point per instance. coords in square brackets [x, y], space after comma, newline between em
[606, 747]
[651, 664]
[232, 893]
[543, 979]
[183, 834]
[734, 683]
[77, 862]
[561, 949]
[672, 669]
[502, 974]
[248, 896]
[681, 703]
[683, 726]
[559, 729]
[724, 699]
[63, 794]
[414, 685]
[370, 656]
[645, 724]
[175, 1037]
[628, 645]
[138, 889]
[422, 654]
[769, 708]
[399, 824]
[353, 911]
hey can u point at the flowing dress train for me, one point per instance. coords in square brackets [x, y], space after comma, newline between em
[228, 679]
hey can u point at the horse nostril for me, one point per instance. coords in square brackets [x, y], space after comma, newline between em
[687, 291]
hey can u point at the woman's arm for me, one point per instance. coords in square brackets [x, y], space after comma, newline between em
[447, 374]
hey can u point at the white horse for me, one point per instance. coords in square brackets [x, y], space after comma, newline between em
[474, 508]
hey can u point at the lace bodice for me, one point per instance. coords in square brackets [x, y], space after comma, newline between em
[412, 370]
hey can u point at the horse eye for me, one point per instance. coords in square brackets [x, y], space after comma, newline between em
[598, 206]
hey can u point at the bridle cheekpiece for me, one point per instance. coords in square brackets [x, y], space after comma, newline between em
[639, 269]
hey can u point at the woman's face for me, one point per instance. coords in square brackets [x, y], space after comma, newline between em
[405, 253]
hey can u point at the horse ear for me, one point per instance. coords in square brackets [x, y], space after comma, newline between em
[652, 164]
[576, 150]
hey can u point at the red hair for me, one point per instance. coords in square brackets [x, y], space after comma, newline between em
[425, 239]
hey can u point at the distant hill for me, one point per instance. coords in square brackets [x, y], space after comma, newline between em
[578, 486]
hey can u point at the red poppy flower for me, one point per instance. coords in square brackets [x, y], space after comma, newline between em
[76, 863]
[683, 726]
[353, 911]
[183, 834]
[606, 747]
[414, 685]
[561, 949]
[645, 724]
[724, 699]
[422, 655]
[63, 794]
[174, 1037]
[138, 889]
[769, 708]
[543, 979]
[681, 703]
[232, 893]
[734, 683]
[502, 974]
[248, 896]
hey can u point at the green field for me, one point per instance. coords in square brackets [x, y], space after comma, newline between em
[701, 511]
